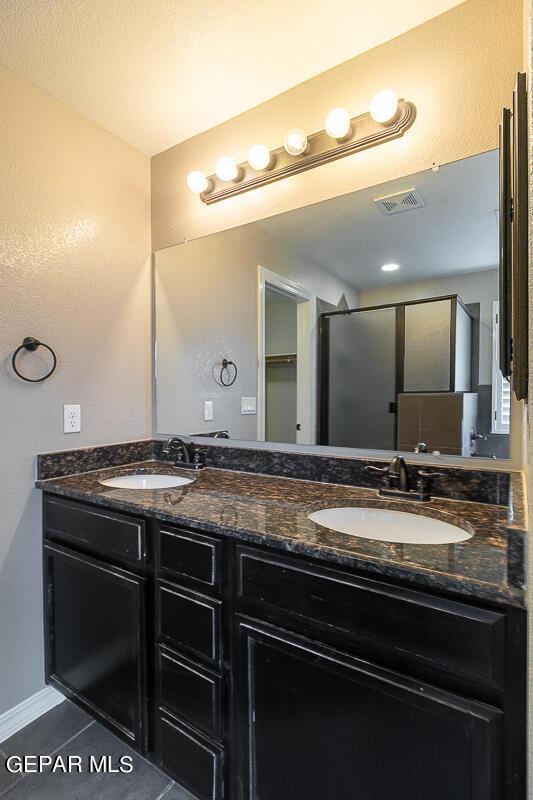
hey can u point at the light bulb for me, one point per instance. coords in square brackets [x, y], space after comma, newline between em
[226, 169]
[197, 182]
[295, 142]
[338, 123]
[390, 267]
[259, 156]
[383, 106]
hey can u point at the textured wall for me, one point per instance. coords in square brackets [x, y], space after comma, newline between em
[74, 271]
[459, 70]
[206, 310]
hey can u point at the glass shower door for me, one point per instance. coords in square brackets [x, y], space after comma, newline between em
[359, 380]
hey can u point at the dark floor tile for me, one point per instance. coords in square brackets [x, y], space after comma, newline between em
[41, 737]
[176, 792]
[7, 779]
[48, 732]
[145, 782]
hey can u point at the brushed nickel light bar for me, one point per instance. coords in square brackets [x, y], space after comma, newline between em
[387, 119]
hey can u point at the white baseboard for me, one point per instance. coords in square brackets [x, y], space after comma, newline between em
[33, 707]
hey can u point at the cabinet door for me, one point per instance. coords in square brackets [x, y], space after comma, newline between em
[319, 725]
[94, 619]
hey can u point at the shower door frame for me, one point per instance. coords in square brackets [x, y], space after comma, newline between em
[399, 332]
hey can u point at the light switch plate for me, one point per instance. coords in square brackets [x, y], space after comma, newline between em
[248, 405]
[71, 419]
[208, 410]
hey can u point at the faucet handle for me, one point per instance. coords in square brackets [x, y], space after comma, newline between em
[422, 473]
[423, 480]
[382, 471]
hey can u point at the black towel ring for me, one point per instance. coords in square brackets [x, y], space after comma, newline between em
[225, 365]
[31, 344]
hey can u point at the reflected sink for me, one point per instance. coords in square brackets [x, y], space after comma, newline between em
[387, 525]
[146, 481]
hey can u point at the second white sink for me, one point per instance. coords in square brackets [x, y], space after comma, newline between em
[387, 525]
[153, 481]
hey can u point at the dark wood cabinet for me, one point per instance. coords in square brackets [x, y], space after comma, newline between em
[423, 633]
[105, 533]
[191, 558]
[196, 762]
[325, 726]
[248, 673]
[95, 639]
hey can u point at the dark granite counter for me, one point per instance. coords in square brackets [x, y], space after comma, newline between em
[269, 510]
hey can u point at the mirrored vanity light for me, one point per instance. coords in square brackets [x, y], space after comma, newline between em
[197, 181]
[338, 124]
[388, 118]
[384, 106]
[295, 142]
[259, 157]
[226, 169]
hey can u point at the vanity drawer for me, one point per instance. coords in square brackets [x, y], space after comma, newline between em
[190, 555]
[194, 762]
[407, 625]
[100, 531]
[191, 693]
[190, 621]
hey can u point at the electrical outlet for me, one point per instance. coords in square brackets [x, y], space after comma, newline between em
[71, 419]
[208, 410]
[248, 405]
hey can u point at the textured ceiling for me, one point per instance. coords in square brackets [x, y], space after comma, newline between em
[455, 232]
[156, 72]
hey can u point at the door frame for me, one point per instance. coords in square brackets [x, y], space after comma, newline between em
[306, 369]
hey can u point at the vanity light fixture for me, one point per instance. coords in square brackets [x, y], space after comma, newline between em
[296, 142]
[384, 106]
[388, 118]
[197, 181]
[338, 124]
[390, 267]
[259, 157]
[226, 169]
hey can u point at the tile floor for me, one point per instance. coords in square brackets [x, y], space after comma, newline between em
[67, 730]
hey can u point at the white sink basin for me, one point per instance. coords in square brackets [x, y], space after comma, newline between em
[146, 481]
[387, 525]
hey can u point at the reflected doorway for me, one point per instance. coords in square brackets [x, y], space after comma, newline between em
[286, 360]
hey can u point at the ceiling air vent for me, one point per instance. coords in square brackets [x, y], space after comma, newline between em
[401, 201]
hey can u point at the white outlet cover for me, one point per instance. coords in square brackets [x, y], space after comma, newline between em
[208, 410]
[71, 419]
[248, 405]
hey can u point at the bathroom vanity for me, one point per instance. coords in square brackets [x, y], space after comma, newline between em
[251, 653]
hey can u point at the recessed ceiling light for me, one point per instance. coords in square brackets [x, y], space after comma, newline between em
[390, 267]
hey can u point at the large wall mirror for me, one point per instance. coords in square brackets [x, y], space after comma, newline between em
[366, 321]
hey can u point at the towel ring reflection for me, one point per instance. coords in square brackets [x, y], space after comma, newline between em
[225, 365]
[31, 344]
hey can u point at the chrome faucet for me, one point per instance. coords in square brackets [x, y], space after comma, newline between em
[188, 453]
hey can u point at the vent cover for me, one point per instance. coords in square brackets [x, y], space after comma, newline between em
[399, 202]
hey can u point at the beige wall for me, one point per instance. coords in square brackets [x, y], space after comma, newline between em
[206, 310]
[74, 271]
[459, 70]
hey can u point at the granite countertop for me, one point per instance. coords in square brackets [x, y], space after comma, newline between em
[263, 509]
